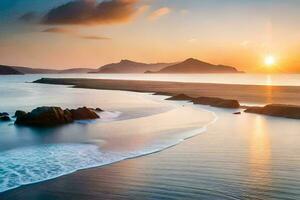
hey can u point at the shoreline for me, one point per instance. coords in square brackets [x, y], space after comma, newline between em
[92, 183]
[246, 94]
[192, 134]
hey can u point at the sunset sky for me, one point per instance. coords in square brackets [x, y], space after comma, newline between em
[88, 33]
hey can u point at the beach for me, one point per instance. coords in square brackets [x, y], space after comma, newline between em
[246, 94]
[178, 150]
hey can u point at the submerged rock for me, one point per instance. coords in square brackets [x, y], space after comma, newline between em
[217, 102]
[4, 118]
[277, 110]
[4, 114]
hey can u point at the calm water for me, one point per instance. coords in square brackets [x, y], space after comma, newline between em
[233, 157]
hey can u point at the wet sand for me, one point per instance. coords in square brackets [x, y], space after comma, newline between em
[246, 94]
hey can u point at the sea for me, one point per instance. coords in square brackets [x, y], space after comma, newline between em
[247, 156]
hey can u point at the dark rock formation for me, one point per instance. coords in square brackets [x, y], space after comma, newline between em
[180, 97]
[83, 113]
[277, 110]
[4, 117]
[4, 113]
[99, 110]
[20, 113]
[163, 93]
[52, 116]
[217, 102]
[44, 116]
[237, 113]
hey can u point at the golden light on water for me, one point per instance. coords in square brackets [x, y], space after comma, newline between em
[260, 153]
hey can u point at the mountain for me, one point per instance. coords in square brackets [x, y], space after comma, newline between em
[192, 65]
[6, 70]
[127, 66]
[29, 70]
[77, 71]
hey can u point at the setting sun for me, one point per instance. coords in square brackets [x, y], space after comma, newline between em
[270, 60]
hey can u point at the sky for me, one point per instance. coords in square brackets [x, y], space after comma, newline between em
[88, 33]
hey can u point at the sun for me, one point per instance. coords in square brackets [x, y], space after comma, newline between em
[270, 60]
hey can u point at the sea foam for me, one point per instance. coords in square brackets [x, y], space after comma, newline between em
[26, 165]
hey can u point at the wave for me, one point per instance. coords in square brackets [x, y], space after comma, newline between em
[34, 164]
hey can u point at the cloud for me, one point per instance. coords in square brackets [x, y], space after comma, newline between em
[159, 13]
[74, 33]
[95, 37]
[28, 17]
[58, 30]
[89, 12]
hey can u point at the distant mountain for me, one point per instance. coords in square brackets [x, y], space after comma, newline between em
[192, 65]
[29, 70]
[77, 71]
[6, 70]
[127, 66]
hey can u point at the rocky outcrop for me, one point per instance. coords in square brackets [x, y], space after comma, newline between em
[217, 102]
[99, 110]
[4, 117]
[52, 116]
[20, 113]
[211, 101]
[44, 116]
[181, 97]
[83, 113]
[277, 110]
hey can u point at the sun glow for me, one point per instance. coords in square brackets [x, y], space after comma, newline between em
[270, 60]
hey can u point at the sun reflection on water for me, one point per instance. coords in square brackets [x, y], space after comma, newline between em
[260, 154]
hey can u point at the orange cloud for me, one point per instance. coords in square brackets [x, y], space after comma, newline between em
[159, 13]
[89, 12]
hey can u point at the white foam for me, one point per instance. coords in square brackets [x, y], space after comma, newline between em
[33, 164]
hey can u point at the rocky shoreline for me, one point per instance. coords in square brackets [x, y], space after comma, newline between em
[51, 116]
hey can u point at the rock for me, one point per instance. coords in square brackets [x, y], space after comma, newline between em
[180, 97]
[277, 110]
[83, 113]
[99, 110]
[163, 93]
[20, 113]
[4, 114]
[4, 118]
[44, 116]
[217, 102]
[237, 113]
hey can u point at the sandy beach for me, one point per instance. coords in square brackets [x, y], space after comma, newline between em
[246, 94]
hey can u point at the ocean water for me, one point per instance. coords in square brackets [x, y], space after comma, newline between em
[226, 156]
[132, 125]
